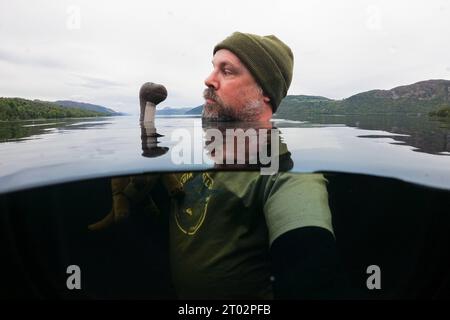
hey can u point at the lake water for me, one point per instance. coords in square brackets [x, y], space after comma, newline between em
[389, 193]
[36, 153]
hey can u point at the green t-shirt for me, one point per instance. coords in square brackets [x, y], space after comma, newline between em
[221, 231]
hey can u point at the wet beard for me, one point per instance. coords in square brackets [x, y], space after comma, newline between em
[252, 111]
[218, 111]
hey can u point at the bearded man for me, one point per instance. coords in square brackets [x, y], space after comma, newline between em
[242, 234]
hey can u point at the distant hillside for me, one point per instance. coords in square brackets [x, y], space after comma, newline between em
[308, 99]
[85, 106]
[172, 111]
[23, 109]
[293, 100]
[443, 113]
[195, 111]
[420, 97]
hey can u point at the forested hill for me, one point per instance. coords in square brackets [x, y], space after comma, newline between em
[23, 109]
[421, 97]
[86, 106]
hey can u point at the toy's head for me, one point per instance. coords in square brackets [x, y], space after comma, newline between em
[153, 93]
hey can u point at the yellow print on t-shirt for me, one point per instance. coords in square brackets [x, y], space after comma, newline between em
[190, 212]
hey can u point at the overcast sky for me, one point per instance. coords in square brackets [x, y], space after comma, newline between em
[102, 51]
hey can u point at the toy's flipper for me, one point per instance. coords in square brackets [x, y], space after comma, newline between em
[172, 185]
[104, 223]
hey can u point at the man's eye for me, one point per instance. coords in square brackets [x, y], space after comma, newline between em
[227, 71]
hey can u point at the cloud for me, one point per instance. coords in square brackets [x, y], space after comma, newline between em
[20, 58]
[96, 83]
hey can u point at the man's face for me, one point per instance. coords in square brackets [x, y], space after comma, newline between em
[232, 92]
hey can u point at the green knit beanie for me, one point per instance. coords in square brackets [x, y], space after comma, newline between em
[268, 59]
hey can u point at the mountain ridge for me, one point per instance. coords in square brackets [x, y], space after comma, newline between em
[24, 109]
[420, 97]
[85, 106]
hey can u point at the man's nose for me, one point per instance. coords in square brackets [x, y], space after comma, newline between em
[211, 81]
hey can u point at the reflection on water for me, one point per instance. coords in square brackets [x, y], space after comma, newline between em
[11, 131]
[37, 153]
[421, 132]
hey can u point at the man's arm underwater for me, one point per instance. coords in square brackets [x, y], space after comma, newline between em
[305, 260]
[305, 265]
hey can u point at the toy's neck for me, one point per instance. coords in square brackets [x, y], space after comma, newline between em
[149, 112]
